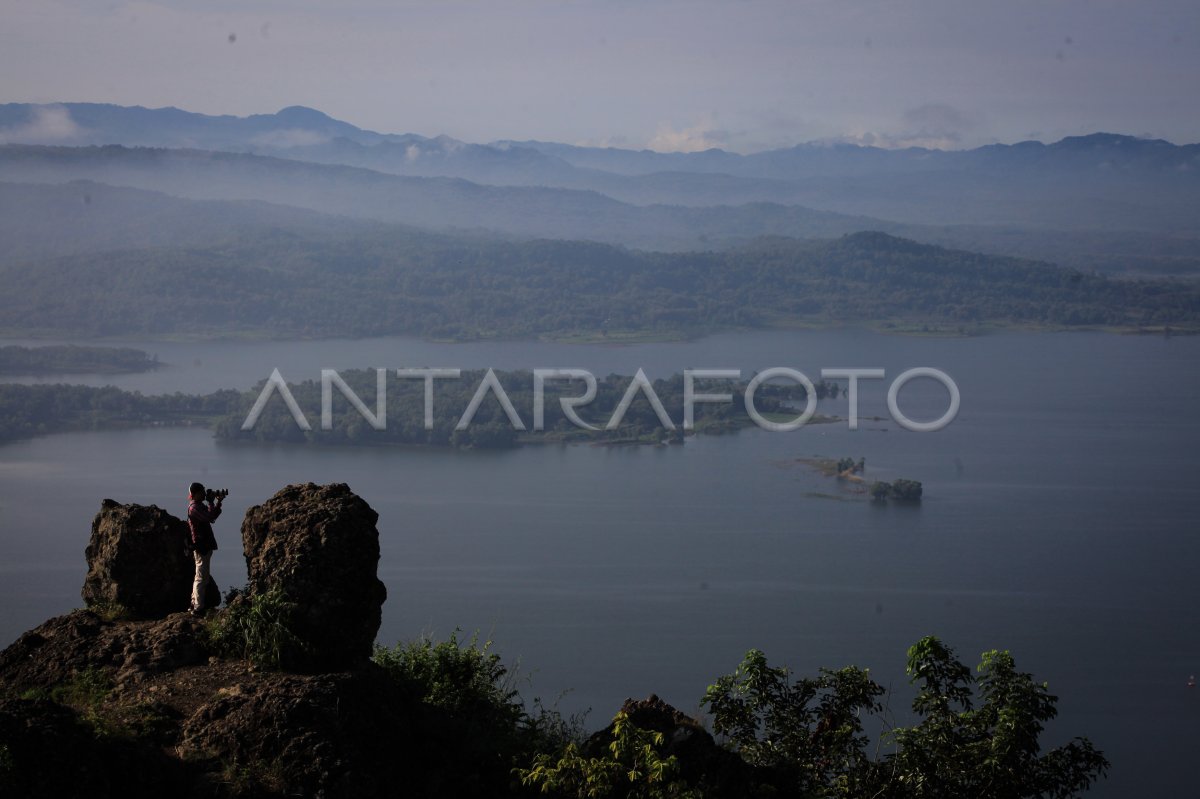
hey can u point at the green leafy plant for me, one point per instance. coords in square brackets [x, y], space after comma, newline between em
[86, 692]
[806, 737]
[259, 628]
[110, 611]
[461, 678]
[469, 683]
[632, 766]
[990, 750]
[549, 730]
[806, 734]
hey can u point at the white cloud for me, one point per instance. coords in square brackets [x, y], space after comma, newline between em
[934, 126]
[49, 124]
[694, 139]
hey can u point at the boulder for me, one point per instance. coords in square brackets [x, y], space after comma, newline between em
[320, 547]
[137, 562]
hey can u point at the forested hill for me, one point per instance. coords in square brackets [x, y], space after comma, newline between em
[437, 286]
[60, 200]
[49, 220]
[436, 203]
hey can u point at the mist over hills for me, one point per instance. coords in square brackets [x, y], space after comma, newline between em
[453, 204]
[295, 132]
[1113, 151]
[435, 203]
[1086, 182]
[51, 220]
[314, 227]
[1097, 182]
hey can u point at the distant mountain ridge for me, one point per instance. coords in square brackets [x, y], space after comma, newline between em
[820, 159]
[319, 228]
[435, 203]
[83, 216]
[1099, 182]
[295, 131]
[103, 123]
[306, 129]
[62, 200]
[1104, 201]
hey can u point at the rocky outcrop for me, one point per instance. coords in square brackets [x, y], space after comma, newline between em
[342, 734]
[137, 562]
[319, 545]
[97, 704]
[62, 647]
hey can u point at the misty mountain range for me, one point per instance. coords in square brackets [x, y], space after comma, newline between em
[81, 179]
[1012, 199]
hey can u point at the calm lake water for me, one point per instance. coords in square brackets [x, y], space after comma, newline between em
[1059, 522]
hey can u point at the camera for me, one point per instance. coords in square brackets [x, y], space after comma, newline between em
[214, 494]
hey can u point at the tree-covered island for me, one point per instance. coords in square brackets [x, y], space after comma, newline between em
[40, 409]
[73, 358]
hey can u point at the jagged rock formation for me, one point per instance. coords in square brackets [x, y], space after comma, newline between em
[320, 546]
[136, 562]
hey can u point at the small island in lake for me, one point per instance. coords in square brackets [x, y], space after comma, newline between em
[74, 359]
[900, 490]
[27, 411]
[849, 472]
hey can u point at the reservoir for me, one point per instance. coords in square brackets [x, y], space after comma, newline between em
[1059, 522]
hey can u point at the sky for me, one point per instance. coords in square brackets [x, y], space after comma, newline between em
[671, 75]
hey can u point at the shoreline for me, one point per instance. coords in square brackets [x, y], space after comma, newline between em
[889, 327]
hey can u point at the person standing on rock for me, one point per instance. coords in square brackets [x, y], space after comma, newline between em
[201, 515]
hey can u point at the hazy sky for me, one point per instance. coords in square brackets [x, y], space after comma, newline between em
[660, 73]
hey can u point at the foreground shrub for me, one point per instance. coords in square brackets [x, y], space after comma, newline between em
[633, 766]
[806, 737]
[478, 694]
[259, 629]
[467, 680]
